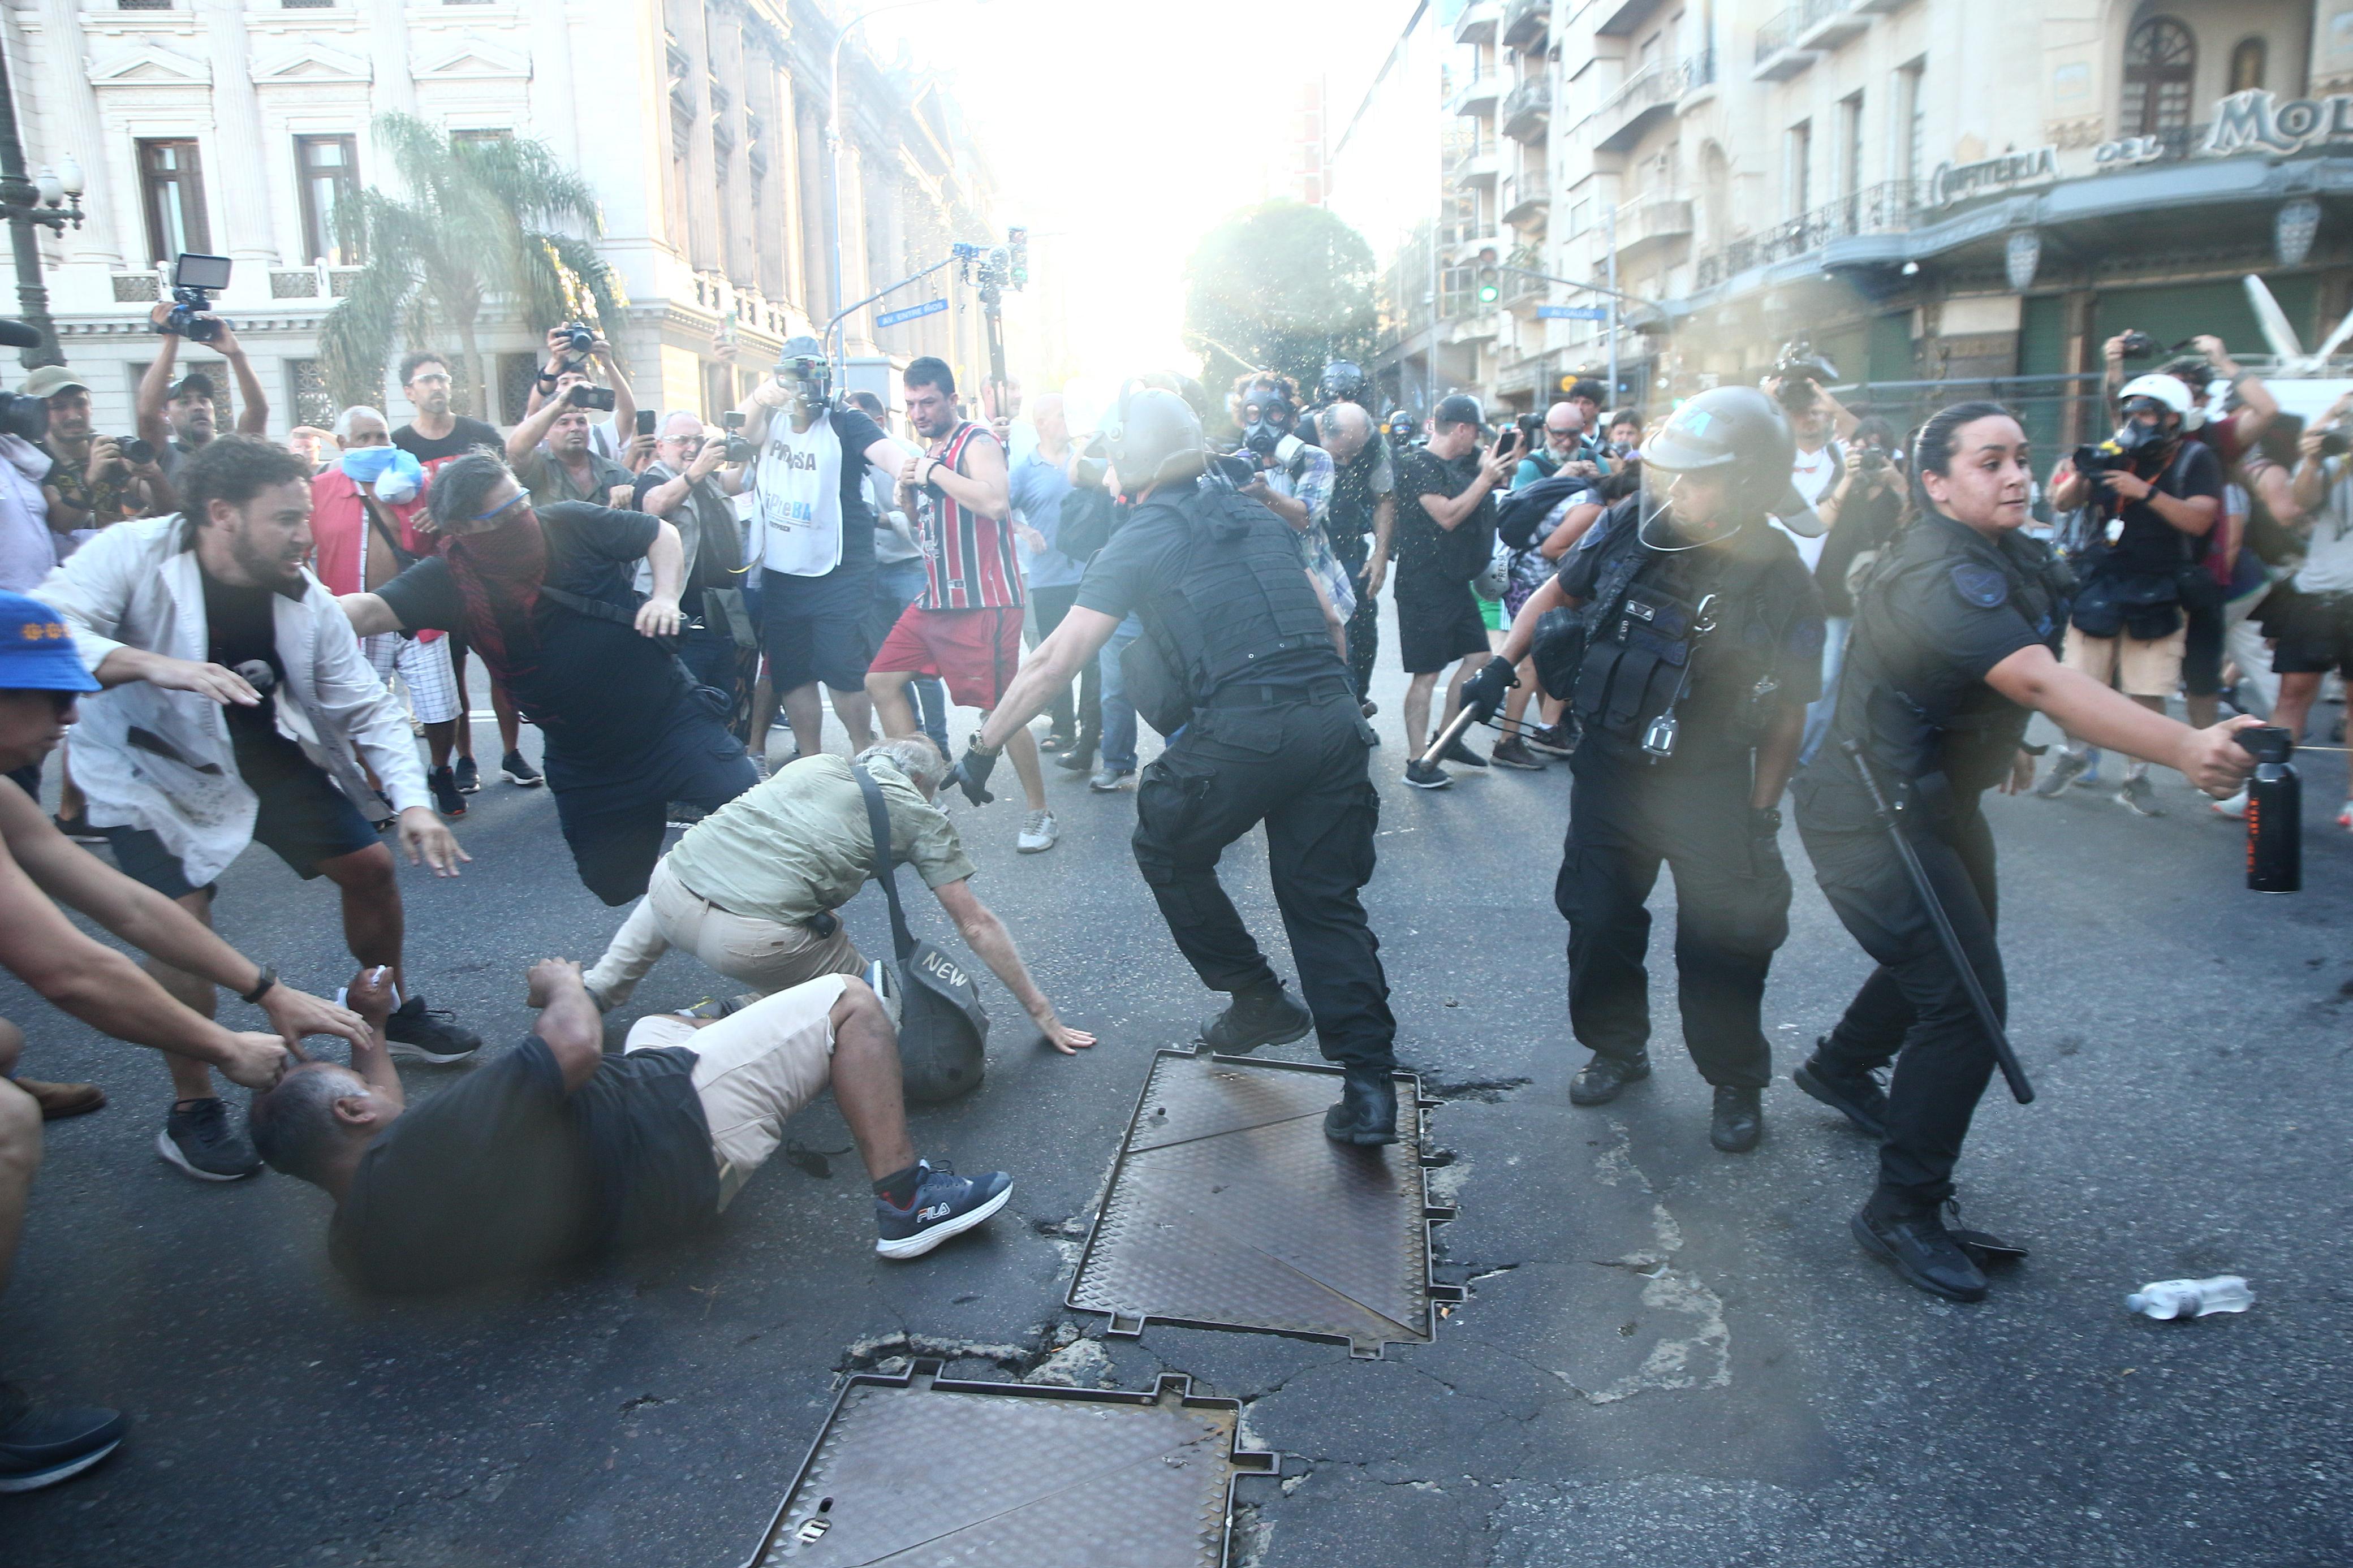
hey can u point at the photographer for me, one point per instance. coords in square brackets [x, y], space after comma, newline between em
[1360, 525]
[98, 480]
[1293, 478]
[1445, 537]
[2151, 492]
[688, 483]
[556, 457]
[571, 348]
[1861, 511]
[2315, 628]
[175, 419]
[1566, 448]
[2235, 433]
[1814, 415]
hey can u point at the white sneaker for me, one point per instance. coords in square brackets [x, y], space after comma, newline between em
[1038, 833]
[2234, 806]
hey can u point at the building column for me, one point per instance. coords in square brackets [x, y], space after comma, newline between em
[71, 109]
[809, 119]
[392, 89]
[555, 116]
[241, 161]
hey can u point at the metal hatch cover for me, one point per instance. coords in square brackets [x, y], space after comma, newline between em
[913, 1470]
[1229, 1209]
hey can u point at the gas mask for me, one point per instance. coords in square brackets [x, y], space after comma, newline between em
[1267, 434]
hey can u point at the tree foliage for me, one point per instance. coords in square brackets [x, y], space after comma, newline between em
[1284, 286]
[491, 218]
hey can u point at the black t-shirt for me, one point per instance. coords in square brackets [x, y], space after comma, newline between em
[2151, 546]
[1428, 556]
[596, 687]
[504, 1173]
[241, 627]
[1866, 522]
[463, 437]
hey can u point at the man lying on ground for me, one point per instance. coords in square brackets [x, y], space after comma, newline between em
[555, 1152]
[751, 889]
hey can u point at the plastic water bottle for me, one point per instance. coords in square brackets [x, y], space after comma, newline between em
[2192, 1298]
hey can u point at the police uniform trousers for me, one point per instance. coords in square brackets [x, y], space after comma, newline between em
[1365, 623]
[1298, 764]
[1914, 1010]
[1732, 906]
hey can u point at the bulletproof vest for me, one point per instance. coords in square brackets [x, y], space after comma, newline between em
[1353, 500]
[1241, 598]
[1944, 740]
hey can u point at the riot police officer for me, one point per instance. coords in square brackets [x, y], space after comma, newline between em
[1953, 643]
[1692, 645]
[1241, 652]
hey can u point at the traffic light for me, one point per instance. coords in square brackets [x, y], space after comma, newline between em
[1491, 276]
[1018, 239]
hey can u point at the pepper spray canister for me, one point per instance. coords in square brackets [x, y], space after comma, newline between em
[2274, 810]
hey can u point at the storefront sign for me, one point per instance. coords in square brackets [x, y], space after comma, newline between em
[1958, 181]
[2251, 122]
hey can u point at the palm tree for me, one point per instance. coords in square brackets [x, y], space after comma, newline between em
[498, 217]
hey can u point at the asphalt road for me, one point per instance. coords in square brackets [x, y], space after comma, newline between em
[1667, 1355]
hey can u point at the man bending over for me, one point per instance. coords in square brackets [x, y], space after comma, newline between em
[555, 1152]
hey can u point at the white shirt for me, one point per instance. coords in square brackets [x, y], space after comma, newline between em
[799, 482]
[2328, 551]
[1813, 474]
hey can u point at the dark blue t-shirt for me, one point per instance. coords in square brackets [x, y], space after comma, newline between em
[504, 1173]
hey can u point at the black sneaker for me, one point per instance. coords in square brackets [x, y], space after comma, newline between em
[446, 798]
[1604, 1079]
[515, 770]
[2063, 771]
[2139, 797]
[41, 1447]
[945, 1204]
[1456, 751]
[1426, 775]
[1366, 1113]
[1077, 761]
[469, 778]
[1512, 752]
[1861, 1100]
[1269, 1016]
[1916, 1243]
[428, 1034]
[197, 1137]
[78, 828]
[1739, 1120]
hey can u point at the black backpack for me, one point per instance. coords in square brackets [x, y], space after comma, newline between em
[943, 1027]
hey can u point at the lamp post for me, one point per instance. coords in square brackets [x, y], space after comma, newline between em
[1489, 263]
[54, 200]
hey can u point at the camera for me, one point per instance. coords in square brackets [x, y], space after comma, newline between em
[583, 395]
[2335, 442]
[1802, 372]
[195, 280]
[136, 452]
[737, 449]
[24, 416]
[2139, 345]
[1872, 459]
[1237, 468]
[2094, 458]
[578, 337]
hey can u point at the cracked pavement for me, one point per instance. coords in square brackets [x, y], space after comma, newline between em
[1666, 1354]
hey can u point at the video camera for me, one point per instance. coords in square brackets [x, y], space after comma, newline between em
[195, 280]
[24, 416]
[736, 447]
[1238, 467]
[1802, 373]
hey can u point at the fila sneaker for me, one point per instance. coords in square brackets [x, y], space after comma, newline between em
[945, 1204]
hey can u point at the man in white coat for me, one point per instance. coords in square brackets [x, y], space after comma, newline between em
[238, 706]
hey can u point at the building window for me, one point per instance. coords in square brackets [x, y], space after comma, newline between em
[477, 138]
[1850, 149]
[511, 392]
[172, 185]
[2247, 63]
[143, 5]
[1798, 178]
[327, 167]
[307, 395]
[1912, 121]
[2161, 62]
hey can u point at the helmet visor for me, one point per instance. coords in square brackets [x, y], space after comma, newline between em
[1686, 506]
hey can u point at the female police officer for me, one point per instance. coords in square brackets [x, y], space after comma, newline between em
[1952, 644]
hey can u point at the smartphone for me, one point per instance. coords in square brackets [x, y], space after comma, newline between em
[584, 396]
[645, 421]
[1503, 438]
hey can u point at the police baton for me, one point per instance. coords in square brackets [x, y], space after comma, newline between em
[1447, 737]
[2011, 1072]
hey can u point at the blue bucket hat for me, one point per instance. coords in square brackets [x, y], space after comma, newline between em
[36, 649]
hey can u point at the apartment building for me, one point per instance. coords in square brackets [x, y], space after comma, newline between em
[1925, 190]
[239, 126]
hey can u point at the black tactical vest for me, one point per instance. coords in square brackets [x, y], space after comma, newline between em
[1242, 610]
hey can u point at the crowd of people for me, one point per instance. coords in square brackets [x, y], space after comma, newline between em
[248, 640]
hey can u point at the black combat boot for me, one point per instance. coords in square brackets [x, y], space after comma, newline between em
[1368, 1108]
[1605, 1077]
[1858, 1096]
[1264, 1014]
[1739, 1119]
[1914, 1241]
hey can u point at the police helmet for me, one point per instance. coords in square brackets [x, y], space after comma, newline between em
[1342, 383]
[1741, 434]
[1151, 436]
[802, 368]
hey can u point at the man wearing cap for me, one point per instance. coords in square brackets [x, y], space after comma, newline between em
[1698, 645]
[94, 482]
[1445, 535]
[238, 707]
[176, 417]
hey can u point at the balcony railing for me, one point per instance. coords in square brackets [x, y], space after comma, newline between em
[1526, 196]
[1476, 25]
[1475, 94]
[1651, 217]
[1696, 71]
[1526, 21]
[1888, 208]
[1527, 109]
[1826, 24]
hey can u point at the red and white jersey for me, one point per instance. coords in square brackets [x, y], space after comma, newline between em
[968, 559]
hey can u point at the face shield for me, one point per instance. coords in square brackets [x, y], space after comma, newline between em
[1682, 508]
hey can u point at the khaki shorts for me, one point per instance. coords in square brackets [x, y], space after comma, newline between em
[765, 955]
[2138, 668]
[753, 1070]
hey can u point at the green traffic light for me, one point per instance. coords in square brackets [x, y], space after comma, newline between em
[1487, 293]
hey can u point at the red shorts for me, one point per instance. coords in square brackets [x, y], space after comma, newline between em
[975, 651]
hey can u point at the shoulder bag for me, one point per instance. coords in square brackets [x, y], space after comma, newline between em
[943, 1027]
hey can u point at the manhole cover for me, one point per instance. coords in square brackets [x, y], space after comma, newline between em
[1229, 1209]
[918, 1470]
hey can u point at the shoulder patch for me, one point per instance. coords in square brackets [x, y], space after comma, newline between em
[1978, 584]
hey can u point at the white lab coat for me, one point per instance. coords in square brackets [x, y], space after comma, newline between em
[163, 760]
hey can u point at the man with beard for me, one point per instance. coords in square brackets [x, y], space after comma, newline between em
[545, 597]
[178, 418]
[208, 616]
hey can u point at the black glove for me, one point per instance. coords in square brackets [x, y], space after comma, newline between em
[971, 774]
[1484, 693]
[1764, 838]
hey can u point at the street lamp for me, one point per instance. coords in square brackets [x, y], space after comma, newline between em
[54, 201]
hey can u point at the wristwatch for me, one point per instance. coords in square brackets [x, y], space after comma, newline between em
[261, 986]
[1765, 819]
